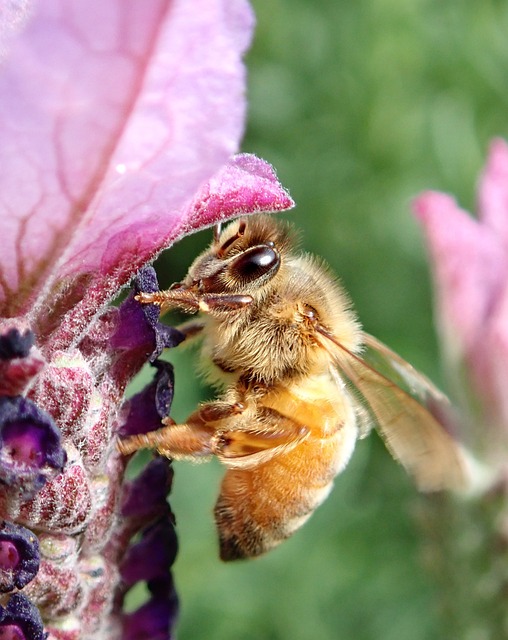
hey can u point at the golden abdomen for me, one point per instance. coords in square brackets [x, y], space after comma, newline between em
[261, 506]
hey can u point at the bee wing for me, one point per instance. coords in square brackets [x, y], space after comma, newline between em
[414, 421]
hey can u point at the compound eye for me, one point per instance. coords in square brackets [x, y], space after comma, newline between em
[255, 263]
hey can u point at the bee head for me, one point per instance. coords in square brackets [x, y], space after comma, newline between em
[244, 258]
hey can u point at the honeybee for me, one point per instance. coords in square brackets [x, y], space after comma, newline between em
[282, 340]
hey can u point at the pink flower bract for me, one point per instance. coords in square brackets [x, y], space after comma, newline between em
[112, 116]
[470, 259]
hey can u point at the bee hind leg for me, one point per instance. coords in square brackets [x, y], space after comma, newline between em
[258, 442]
[190, 440]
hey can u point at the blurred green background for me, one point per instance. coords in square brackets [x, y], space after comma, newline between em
[359, 105]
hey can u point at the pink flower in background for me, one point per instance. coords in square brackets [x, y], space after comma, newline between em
[118, 121]
[470, 260]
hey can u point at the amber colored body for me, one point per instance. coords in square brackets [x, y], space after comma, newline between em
[274, 325]
[264, 501]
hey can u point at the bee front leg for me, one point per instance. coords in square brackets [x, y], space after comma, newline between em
[190, 301]
[210, 302]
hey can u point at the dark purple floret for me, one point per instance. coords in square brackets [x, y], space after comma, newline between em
[19, 556]
[30, 444]
[156, 619]
[139, 326]
[146, 282]
[14, 344]
[165, 336]
[151, 557]
[165, 387]
[145, 496]
[21, 620]
[20, 361]
[149, 406]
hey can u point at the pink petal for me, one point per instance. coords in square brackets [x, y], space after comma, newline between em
[243, 186]
[112, 114]
[494, 381]
[493, 191]
[13, 18]
[469, 267]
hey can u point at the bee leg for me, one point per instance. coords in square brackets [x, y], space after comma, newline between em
[217, 411]
[190, 301]
[181, 441]
[248, 443]
[210, 302]
[179, 297]
[190, 440]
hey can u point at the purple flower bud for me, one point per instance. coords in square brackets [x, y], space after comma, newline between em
[165, 336]
[155, 619]
[14, 344]
[19, 359]
[165, 385]
[149, 406]
[19, 556]
[30, 445]
[139, 327]
[153, 555]
[136, 335]
[20, 620]
[145, 496]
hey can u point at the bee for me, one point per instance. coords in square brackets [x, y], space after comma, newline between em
[283, 343]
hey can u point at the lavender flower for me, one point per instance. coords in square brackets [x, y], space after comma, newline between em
[30, 447]
[467, 539]
[19, 557]
[20, 620]
[470, 260]
[118, 121]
